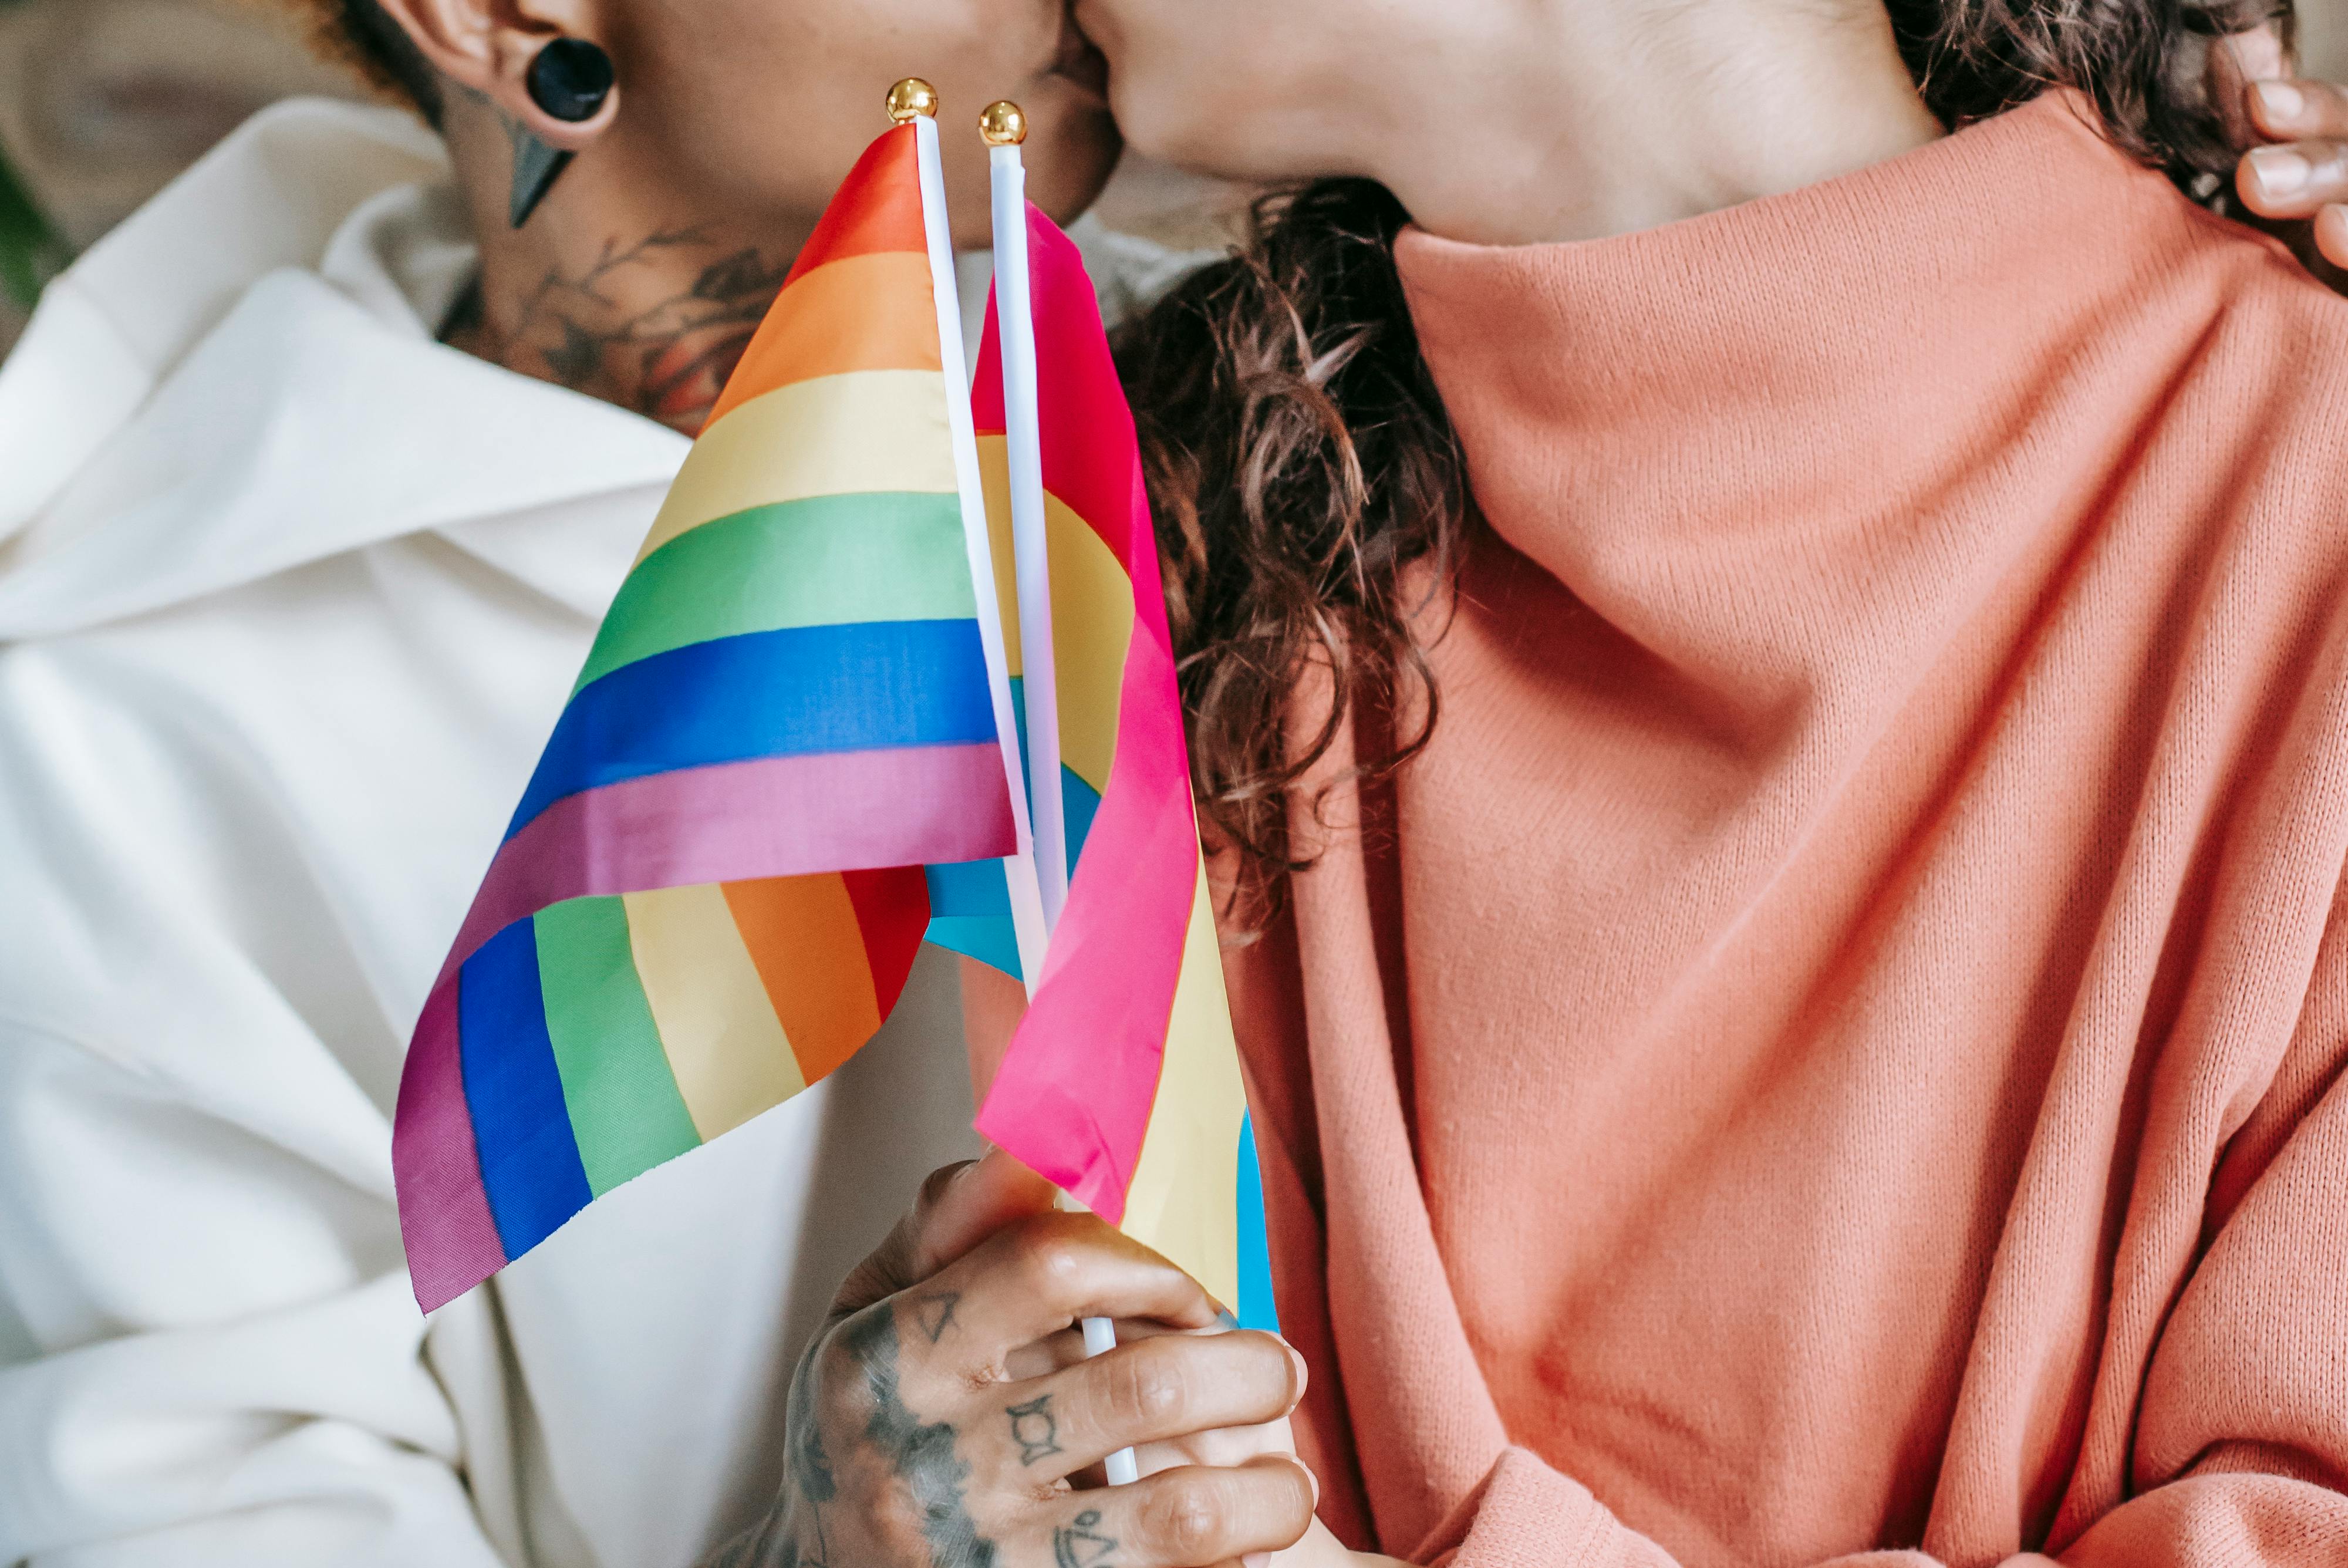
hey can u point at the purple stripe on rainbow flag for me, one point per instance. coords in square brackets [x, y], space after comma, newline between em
[738, 821]
[443, 1214]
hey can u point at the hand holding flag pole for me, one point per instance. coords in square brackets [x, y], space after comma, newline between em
[1005, 127]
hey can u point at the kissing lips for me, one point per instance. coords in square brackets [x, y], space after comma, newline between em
[1080, 63]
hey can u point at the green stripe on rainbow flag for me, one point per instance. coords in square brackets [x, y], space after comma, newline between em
[826, 560]
[625, 1111]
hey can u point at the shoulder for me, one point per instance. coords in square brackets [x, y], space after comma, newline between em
[2239, 360]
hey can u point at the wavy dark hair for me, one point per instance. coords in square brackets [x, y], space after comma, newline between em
[1306, 473]
[359, 34]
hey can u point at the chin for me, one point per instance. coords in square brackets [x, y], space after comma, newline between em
[1175, 133]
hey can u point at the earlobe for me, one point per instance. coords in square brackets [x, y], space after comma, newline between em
[563, 90]
[529, 61]
[554, 91]
[570, 83]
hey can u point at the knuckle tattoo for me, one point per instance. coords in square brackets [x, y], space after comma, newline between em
[1081, 1542]
[1034, 1429]
[934, 1314]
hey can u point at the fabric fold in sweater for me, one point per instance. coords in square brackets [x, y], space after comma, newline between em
[1835, 1049]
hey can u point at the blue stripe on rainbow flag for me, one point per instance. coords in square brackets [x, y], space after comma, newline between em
[1255, 1307]
[969, 914]
[529, 1161]
[804, 689]
[970, 907]
[1080, 803]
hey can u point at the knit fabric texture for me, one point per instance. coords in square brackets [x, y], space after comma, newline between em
[1834, 1053]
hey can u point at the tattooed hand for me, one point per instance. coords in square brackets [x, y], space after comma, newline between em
[943, 1419]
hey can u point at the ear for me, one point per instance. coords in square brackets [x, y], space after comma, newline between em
[485, 48]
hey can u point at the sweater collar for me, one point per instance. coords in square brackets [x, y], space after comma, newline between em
[1779, 392]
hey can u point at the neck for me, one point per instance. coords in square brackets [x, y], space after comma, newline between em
[1579, 118]
[642, 305]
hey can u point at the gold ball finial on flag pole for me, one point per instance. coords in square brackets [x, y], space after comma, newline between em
[911, 98]
[1002, 123]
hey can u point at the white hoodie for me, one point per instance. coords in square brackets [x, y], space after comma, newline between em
[289, 595]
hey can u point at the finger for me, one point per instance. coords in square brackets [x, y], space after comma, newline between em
[959, 1207]
[1190, 1518]
[2295, 179]
[1227, 1447]
[1170, 1387]
[1043, 1273]
[984, 1197]
[1066, 1348]
[2298, 111]
[2332, 235]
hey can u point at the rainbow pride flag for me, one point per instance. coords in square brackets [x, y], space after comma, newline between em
[1122, 1083]
[715, 884]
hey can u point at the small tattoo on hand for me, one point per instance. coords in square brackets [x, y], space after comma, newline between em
[1079, 1545]
[935, 1314]
[1035, 1429]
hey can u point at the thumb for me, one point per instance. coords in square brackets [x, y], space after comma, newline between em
[960, 1206]
[979, 1199]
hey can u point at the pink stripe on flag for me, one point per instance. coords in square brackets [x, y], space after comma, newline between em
[444, 1212]
[1072, 1097]
[739, 821]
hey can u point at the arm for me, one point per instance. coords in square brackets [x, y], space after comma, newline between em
[2240, 1449]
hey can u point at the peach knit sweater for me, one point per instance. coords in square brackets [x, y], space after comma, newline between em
[1837, 1047]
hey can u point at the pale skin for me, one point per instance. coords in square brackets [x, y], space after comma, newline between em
[943, 1416]
[1524, 121]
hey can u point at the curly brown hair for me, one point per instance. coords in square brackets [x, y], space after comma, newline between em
[1305, 474]
[357, 35]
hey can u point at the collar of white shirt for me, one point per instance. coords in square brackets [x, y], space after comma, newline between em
[261, 336]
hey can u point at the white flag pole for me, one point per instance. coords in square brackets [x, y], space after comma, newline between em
[1005, 128]
[1015, 316]
[915, 101]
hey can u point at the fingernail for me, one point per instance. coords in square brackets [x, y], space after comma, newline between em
[1316, 1487]
[2278, 170]
[1256, 1560]
[1303, 1373]
[2282, 100]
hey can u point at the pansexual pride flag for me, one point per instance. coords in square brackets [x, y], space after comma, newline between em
[713, 887]
[1122, 1083]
